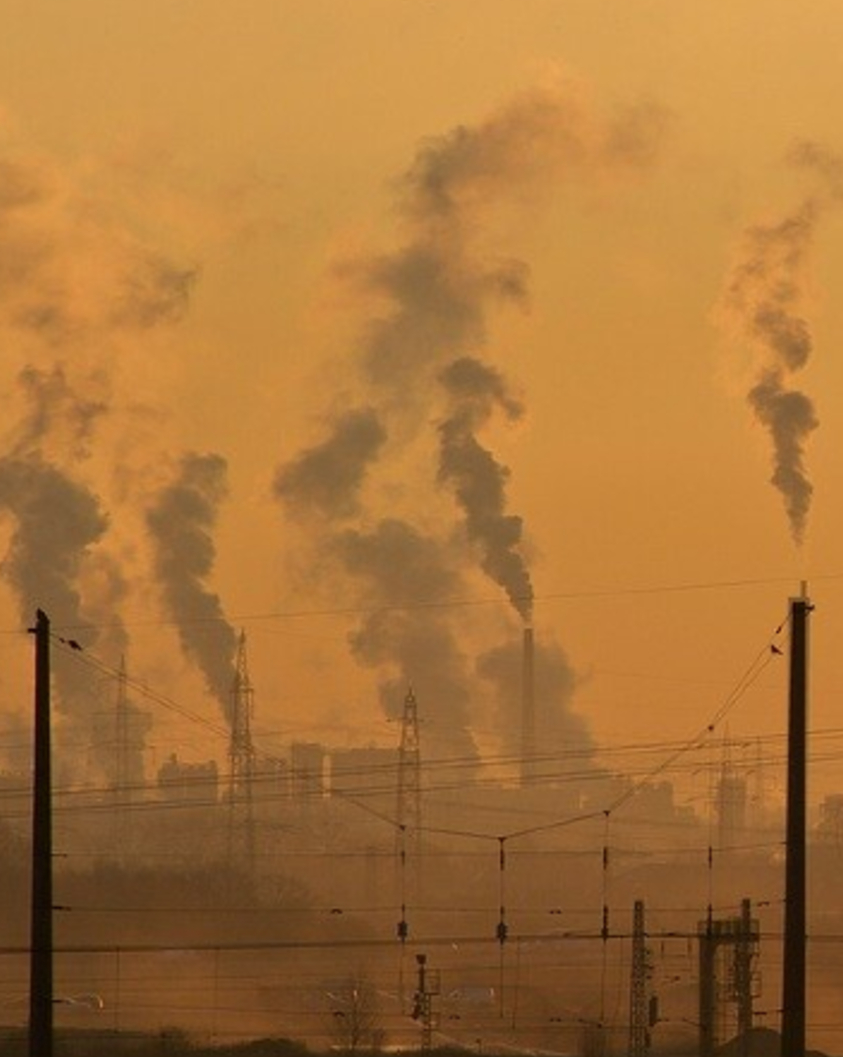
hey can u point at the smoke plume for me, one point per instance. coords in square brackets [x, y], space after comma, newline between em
[765, 299]
[181, 523]
[327, 477]
[419, 365]
[394, 564]
[559, 727]
[57, 522]
[70, 273]
[479, 481]
[766, 292]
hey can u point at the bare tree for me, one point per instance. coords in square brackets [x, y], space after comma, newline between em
[355, 1021]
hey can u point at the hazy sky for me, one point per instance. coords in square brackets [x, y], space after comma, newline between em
[218, 223]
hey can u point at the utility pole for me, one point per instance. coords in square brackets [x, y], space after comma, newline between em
[41, 941]
[793, 982]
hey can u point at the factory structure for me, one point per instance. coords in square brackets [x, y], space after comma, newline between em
[250, 786]
[396, 780]
[388, 845]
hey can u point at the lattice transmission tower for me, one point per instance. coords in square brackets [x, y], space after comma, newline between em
[408, 809]
[241, 758]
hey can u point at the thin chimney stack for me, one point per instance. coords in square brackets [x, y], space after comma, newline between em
[528, 709]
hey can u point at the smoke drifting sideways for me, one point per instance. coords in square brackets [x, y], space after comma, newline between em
[418, 364]
[765, 299]
[70, 273]
[181, 523]
[441, 283]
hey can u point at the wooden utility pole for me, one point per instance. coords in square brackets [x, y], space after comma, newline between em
[41, 935]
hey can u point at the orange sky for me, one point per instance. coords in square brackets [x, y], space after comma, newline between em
[261, 144]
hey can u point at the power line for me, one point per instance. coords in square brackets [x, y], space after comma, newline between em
[451, 603]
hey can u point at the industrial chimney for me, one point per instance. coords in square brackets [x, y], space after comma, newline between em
[528, 709]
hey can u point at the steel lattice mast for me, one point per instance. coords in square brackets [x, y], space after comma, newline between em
[241, 756]
[408, 810]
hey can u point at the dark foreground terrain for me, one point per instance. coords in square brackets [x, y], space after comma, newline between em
[762, 1042]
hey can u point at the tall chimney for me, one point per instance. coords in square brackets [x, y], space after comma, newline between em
[528, 709]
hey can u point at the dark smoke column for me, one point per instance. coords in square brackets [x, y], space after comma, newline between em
[478, 480]
[763, 301]
[57, 522]
[435, 293]
[181, 525]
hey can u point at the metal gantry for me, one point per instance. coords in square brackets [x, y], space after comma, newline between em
[728, 948]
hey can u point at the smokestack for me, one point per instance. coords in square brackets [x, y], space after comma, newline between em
[528, 709]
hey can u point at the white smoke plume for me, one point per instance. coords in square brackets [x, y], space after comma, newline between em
[181, 523]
